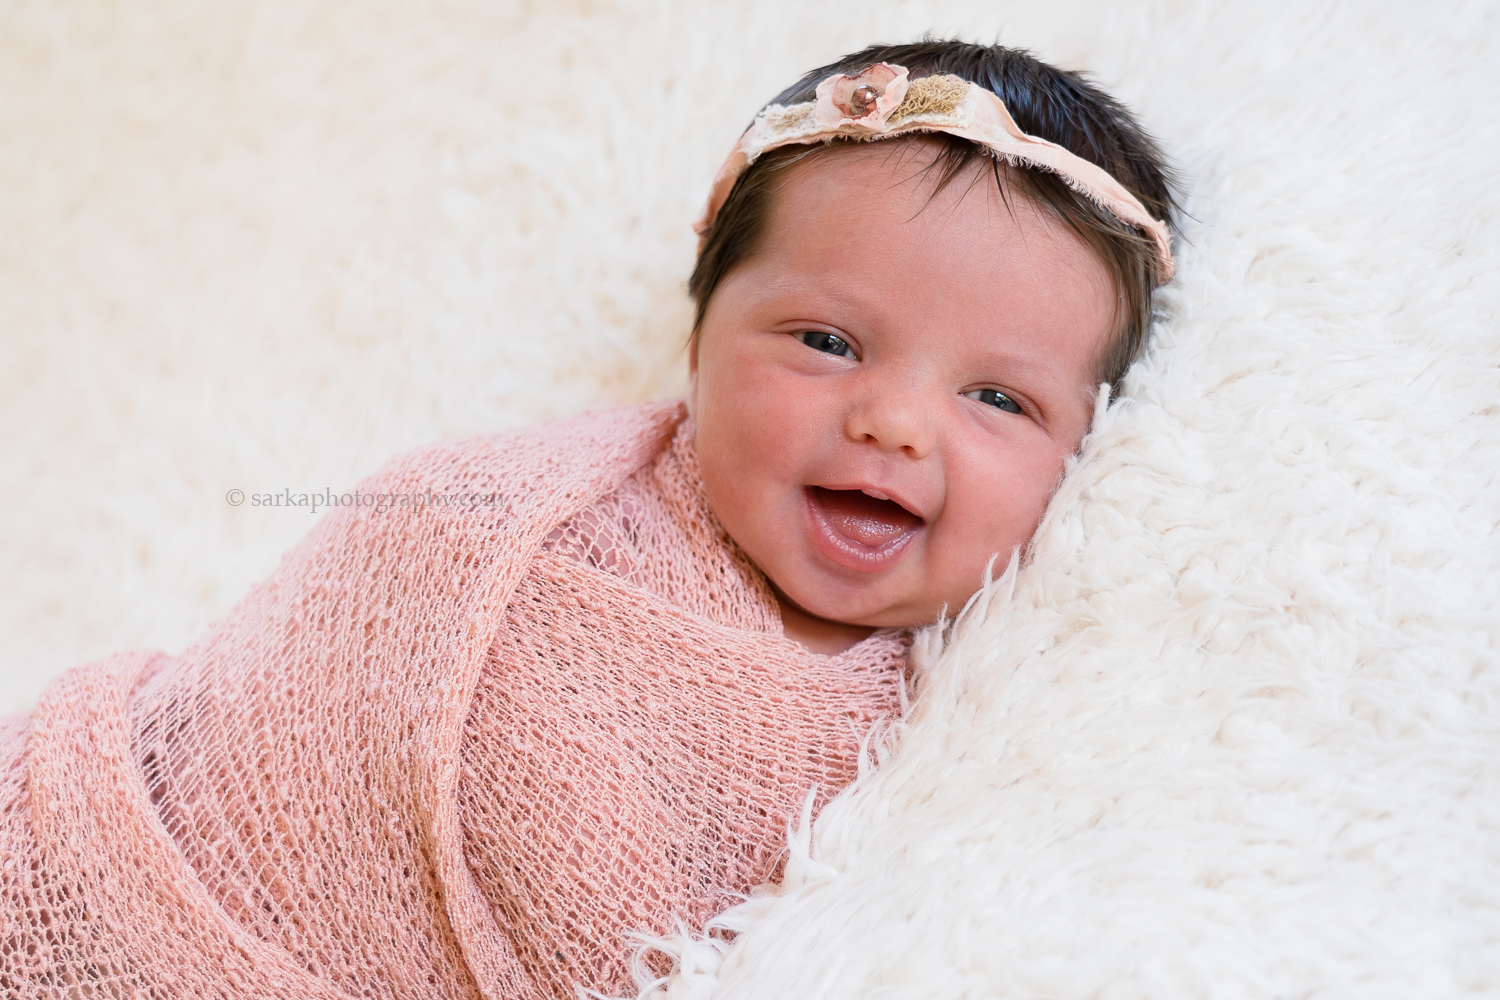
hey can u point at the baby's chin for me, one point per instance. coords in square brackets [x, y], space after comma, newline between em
[870, 609]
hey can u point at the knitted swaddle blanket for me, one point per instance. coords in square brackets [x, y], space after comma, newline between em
[454, 748]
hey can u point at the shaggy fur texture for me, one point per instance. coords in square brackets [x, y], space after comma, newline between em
[1232, 730]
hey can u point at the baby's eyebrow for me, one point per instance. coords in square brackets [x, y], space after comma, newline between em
[817, 301]
[800, 284]
[1012, 363]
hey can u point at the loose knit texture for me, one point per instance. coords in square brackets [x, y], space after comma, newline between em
[444, 751]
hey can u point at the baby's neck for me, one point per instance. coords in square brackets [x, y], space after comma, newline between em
[818, 635]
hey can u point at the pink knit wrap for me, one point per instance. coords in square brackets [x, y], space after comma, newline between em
[444, 751]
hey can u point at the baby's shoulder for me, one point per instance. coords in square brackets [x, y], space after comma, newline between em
[566, 455]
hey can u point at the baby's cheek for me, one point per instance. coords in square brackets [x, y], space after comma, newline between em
[998, 503]
[774, 423]
[743, 461]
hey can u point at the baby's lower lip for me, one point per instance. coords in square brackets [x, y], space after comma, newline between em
[886, 534]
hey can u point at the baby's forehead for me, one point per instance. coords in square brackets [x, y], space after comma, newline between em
[927, 161]
[851, 188]
[866, 228]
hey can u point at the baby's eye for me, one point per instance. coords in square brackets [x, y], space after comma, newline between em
[825, 342]
[995, 398]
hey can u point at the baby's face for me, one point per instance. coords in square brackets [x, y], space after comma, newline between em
[886, 391]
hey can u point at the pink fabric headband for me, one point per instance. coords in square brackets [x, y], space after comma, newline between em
[881, 102]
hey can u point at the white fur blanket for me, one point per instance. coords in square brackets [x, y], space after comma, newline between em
[1234, 731]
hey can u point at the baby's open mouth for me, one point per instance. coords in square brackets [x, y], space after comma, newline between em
[861, 518]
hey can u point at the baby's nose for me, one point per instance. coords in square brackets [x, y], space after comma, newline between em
[894, 422]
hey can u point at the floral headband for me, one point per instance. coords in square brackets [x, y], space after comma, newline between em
[880, 102]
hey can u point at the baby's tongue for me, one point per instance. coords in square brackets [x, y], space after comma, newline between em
[863, 518]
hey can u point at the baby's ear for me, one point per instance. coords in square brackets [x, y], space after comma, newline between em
[692, 391]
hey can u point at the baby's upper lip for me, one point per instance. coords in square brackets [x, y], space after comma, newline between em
[880, 492]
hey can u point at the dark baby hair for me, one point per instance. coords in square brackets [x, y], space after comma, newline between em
[1047, 102]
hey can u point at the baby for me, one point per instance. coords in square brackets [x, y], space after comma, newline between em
[894, 356]
[461, 747]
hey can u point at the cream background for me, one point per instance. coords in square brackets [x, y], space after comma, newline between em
[1232, 733]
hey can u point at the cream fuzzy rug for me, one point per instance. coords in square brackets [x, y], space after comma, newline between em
[1233, 731]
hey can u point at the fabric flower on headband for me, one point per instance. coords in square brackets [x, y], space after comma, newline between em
[865, 99]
